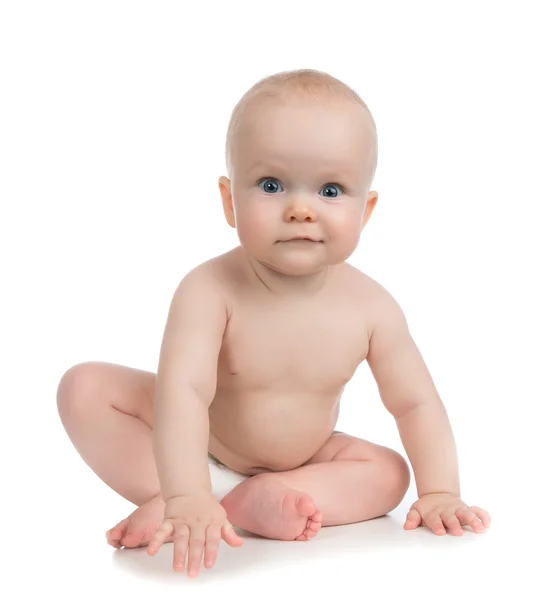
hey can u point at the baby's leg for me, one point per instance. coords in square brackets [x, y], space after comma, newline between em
[107, 411]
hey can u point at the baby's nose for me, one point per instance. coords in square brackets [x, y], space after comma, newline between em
[300, 210]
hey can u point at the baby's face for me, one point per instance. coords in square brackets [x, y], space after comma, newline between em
[301, 170]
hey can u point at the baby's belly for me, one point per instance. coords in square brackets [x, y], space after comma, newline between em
[265, 431]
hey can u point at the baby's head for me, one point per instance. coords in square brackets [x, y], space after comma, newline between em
[301, 154]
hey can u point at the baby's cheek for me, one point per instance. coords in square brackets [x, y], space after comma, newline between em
[343, 239]
[253, 225]
[346, 230]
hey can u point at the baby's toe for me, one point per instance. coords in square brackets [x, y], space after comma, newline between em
[307, 534]
[305, 506]
[115, 534]
[314, 526]
[113, 542]
[317, 517]
[133, 539]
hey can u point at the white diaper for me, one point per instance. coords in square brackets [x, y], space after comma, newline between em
[222, 478]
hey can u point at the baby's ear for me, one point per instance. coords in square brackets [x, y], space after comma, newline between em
[369, 207]
[227, 200]
[224, 181]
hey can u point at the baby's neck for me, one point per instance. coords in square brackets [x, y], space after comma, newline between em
[279, 284]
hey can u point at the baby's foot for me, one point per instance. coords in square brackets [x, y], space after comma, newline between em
[264, 506]
[138, 528]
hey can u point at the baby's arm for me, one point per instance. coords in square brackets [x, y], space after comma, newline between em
[186, 383]
[409, 394]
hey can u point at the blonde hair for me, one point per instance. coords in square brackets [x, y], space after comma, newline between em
[298, 84]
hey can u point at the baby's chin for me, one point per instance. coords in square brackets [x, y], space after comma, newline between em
[295, 263]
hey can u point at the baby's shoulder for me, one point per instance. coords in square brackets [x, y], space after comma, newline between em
[215, 276]
[373, 297]
[363, 285]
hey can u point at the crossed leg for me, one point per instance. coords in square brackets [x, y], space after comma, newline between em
[348, 480]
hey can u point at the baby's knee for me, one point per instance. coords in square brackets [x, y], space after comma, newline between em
[399, 475]
[76, 386]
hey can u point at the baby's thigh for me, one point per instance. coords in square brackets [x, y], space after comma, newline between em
[87, 385]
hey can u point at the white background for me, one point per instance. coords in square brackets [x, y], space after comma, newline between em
[112, 127]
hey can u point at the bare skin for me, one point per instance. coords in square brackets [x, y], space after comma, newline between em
[251, 390]
[258, 385]
[269, 343]
[300, 321]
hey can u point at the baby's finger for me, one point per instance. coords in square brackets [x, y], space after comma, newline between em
[159, 537]
[413, 519]
[181, 539]
[196, 547]
[468, 517]
[230, 535]
[213, 538]
[451, 521]
[434, 522]
[482, 514]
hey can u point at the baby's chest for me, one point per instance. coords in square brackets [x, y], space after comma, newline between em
[314, 349]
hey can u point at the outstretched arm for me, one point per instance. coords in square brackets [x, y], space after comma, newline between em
[409, 394]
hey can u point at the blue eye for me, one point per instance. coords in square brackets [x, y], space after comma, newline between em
[271, 185]
[332, 186]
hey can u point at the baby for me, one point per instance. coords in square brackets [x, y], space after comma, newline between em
[237, 428]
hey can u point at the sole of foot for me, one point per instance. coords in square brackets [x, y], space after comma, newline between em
[269, 508]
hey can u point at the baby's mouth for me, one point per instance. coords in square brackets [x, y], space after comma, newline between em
[303, 240]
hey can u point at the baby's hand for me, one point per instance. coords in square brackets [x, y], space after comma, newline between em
[441, 511]
[197, 524]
